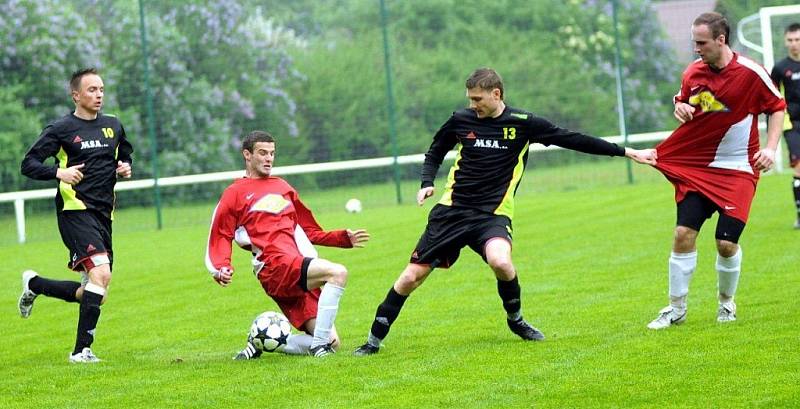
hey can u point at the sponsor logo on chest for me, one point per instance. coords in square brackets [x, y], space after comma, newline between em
[488, 143]
[92, 144]
[707, 102]
[270, 203]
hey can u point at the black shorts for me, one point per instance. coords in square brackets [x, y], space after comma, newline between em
[449, 229]
[87, 234]
[792, 137]
[695, 208]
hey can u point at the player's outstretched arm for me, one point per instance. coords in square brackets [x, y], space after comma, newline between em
[424, 193]
[644, 156]
[358, 237]
[220, 237]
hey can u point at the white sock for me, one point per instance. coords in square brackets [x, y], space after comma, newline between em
[681, 268]
[298, 344]
[326, 313]
[728, 269]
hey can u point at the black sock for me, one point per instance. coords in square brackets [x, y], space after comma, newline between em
[87, 320]
[63, 290]
[510, 294]
[386, 314]
[796, 188]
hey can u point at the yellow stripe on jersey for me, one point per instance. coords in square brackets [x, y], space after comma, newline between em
[447, 196]
[506, 207]
[68, 194]
[114, 193]
[787, 122]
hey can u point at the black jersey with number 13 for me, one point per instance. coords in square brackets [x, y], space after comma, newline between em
[492, 153]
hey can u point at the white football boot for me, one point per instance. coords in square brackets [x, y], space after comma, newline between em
[26, 299]
[86, 356]
[668, 316]
[726, 312]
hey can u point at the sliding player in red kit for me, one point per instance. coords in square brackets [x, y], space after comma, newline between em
[264, 214]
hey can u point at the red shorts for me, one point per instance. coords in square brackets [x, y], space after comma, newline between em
[283, 278]
[732, 191]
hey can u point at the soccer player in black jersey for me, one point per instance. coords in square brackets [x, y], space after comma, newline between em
[477, 206]
[786, 74]
[91, 152]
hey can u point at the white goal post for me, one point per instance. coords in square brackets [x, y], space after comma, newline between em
[764, 17]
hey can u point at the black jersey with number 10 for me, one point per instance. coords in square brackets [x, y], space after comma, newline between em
[492, 153]
[98, 144]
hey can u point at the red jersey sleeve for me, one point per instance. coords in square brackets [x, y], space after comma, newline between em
[333, 238]
[221, 233]
[683, 92]
[769, 96]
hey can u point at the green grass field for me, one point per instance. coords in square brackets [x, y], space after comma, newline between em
[592, 264]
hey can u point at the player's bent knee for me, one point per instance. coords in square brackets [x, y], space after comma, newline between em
[99, 269]
[685, 238]
[100, 276]
[727, 248]
[683, 233]
[502, 267]
[338, 275]
[408, 282]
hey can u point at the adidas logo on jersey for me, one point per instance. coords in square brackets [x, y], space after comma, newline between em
[92, 145]
[488, 143]
[77, 139]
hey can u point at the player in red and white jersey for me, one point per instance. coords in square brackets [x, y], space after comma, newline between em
[713, 159]
[265, 214]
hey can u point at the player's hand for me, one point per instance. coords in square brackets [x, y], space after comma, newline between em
[684, 112]
[764, 158]
[423, 194]
[71, 175]
[124, 169]
[358, 237]
[224, 276]
[645, 156]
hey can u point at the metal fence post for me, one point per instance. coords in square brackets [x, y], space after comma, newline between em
[390, 100]
[151, 131]
[620, 86]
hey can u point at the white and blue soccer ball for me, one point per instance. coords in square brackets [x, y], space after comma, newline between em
[270, 331]
[353, 206]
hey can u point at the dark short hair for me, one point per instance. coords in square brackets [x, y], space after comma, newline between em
[75, 80]
[486, 79]
[716, 22]
[254, 137]
[792, 28]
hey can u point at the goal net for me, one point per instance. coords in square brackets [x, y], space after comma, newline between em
[763, 33]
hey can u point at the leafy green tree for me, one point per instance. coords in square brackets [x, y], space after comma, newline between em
[556, 58]
[13, 133]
